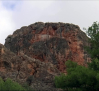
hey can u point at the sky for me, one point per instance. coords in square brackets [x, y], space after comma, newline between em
[17, 13]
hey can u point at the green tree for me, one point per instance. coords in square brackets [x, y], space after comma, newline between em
[94, 65]
[93, 33]
[93, 50]
[79, 78]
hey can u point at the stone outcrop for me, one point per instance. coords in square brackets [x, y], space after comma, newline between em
[24, 69]
[35, 54]
[53, 43]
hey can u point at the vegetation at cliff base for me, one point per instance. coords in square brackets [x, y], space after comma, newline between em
[80, 78]
[10, 85]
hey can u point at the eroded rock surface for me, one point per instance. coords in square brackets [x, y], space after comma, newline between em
[24, 69]
[50, 42]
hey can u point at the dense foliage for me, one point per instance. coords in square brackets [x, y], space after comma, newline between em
[93, 33]
[81, 78]
[10, 85]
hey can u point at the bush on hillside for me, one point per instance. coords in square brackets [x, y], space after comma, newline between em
[10, 85]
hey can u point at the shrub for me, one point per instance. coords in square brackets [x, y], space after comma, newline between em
[10, 85]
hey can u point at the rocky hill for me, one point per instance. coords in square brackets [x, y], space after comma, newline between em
[50, 42]
[38, 52]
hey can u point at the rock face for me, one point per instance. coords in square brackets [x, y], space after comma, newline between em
[21, 68]
[53, 43]
[35, 54]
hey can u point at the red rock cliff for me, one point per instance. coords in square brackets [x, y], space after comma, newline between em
[50, 42]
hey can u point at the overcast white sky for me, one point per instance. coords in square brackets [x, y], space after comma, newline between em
[17, 13]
